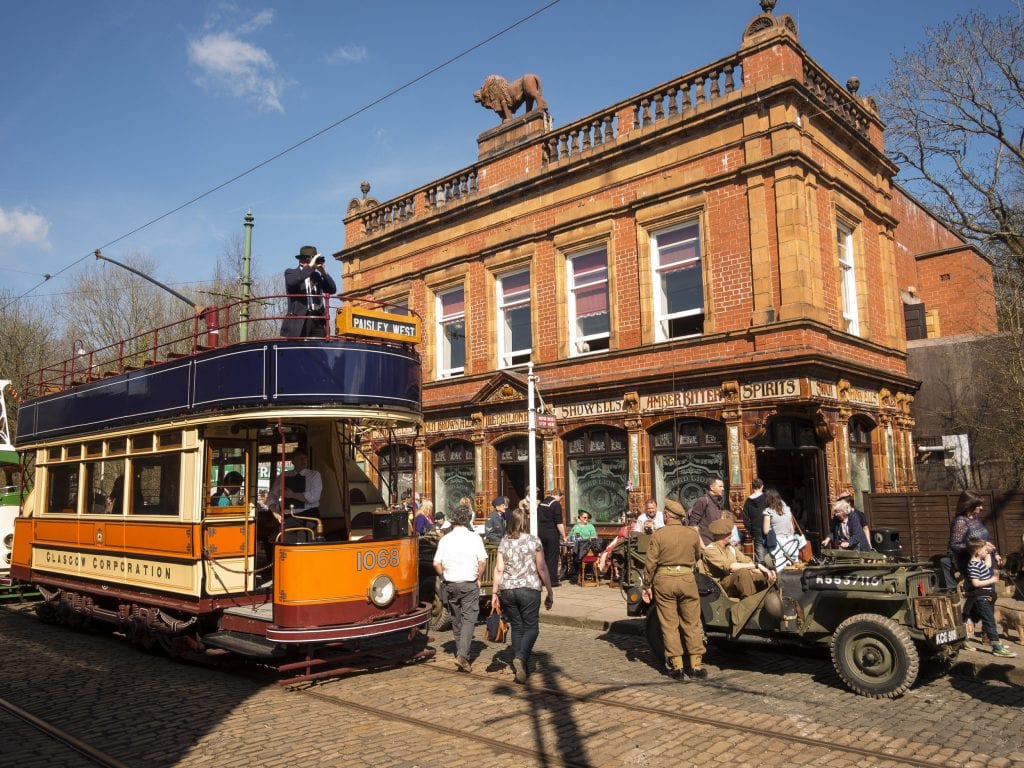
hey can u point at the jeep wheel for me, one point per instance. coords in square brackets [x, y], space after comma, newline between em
[874, 656]
[440, 619]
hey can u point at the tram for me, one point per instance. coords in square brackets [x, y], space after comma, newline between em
[146, 514]
[10, 489]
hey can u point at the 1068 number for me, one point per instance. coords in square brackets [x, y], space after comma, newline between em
[368, 560]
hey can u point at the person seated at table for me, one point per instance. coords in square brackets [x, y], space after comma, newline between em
[605, 560]
[738, 574]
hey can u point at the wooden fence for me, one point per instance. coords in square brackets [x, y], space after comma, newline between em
[923, 519]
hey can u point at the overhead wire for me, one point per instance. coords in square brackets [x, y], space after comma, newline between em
[287, 150]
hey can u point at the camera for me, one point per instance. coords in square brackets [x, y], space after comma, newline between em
[317, 260]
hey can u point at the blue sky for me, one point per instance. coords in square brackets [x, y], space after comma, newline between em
[114, 112]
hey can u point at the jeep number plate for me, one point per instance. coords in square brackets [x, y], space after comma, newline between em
[944, 636]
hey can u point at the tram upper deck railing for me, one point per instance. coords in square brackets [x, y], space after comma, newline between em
[220, 327]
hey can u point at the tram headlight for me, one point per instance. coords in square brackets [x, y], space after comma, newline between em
[9, 541]
[382, 591]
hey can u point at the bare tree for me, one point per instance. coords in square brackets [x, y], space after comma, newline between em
[954, 110]
[26, 345]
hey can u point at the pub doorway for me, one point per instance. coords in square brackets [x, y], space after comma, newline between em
[790, 460]
[514, 468]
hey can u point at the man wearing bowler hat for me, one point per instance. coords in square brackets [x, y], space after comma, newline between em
[668, 573]
[306, 285]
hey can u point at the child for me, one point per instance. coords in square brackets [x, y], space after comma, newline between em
[983, 592]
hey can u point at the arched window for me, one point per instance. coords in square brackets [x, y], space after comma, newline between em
[597, 472]
[860, 459]
[395, 484]
[684, 454]
[453, 473]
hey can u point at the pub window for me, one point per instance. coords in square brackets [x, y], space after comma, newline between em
[589, 317]
[104, 481]
[451, 333]
[860, 459]
[453, 474]
[62, 490]
[155, 485]
[684, 454]
[678, 282]
[397, 482]
[515, 340]
[598, 472]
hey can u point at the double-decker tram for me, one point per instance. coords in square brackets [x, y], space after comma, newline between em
[197, 488]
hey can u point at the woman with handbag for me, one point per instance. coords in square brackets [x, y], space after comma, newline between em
[778, 522]
[520, 571]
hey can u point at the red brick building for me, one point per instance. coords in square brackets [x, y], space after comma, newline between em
[708, 277]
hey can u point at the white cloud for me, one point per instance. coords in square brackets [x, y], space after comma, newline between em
[21, 226]
[350, 52]
[261, 19]
[242, 69]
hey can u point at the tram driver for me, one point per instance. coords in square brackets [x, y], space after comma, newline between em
[301, 490]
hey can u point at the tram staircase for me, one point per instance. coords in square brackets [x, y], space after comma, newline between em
[359, 487]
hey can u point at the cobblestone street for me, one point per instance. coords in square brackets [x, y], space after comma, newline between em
[595, 700]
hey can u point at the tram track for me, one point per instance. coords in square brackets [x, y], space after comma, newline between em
[599, 696]
[97, 756]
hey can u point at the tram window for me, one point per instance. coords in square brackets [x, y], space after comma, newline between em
[63, 488]
[105, 483]
[226, 475]
[155, 485]
[142, 443]
[95, 448]
[169, 439]
[117, 446]
[54, 454]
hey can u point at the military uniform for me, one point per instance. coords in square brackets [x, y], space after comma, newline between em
[671, 556]
[719, 557]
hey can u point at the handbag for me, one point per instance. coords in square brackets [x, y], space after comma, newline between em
[771, 541]
[497, 628]
[806, 550]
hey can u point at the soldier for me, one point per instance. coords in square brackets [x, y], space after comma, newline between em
[671, 556]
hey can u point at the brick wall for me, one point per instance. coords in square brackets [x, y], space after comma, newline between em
[953, 280]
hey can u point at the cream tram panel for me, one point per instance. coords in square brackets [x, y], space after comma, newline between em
[182, 578]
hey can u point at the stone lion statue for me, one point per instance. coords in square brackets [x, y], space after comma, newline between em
[505, 98]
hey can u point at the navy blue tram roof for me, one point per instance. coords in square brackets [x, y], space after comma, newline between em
[263, 374]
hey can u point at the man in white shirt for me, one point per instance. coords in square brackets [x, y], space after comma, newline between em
[460, 561]
[302, 489]
[651, 516]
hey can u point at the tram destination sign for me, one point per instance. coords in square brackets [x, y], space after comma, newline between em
[378, 324]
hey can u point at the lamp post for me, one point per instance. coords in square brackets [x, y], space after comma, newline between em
[243, 311]
[531, 420]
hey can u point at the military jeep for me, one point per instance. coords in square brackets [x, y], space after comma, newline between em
[440, 619]
[878, 614]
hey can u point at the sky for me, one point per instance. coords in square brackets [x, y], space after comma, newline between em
[114, 113]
